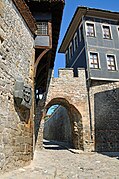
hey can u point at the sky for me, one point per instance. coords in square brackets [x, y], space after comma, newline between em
[69, 10]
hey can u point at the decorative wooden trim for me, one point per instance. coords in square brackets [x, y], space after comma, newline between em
[42, 47]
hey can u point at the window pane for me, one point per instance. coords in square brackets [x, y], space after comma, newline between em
[111, 62]
[42, 28]
[71, 51]
[106, 32]
[95, 66]
[113, 68]
[76, 41]
[94, 62]
[90, 30]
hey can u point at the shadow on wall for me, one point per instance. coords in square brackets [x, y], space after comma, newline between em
[75, 120]
[58, 126]
[24, 114]
[106, 114]
[37, 126]
[39, 106]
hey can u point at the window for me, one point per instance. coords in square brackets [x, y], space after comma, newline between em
[79, 34]
[67, 57]
[90, 30]
[70, 50]
[94, 60]
[106, 32]
[42, 28]
[111, 64]
[75, 41]
[81, 37]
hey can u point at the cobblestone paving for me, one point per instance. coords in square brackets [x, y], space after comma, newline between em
[56, 162]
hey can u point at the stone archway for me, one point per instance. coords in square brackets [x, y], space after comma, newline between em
[72, 93]
[75, 121]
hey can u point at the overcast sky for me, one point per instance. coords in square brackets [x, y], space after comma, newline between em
[69, 10]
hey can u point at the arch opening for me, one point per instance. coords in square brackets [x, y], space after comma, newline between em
[68, 125]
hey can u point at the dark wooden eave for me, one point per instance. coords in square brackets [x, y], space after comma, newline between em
[26, 14]
[56, 8]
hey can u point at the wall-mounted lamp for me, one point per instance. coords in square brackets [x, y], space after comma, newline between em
[39, 95]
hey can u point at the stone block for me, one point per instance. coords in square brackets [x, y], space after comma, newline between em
[66, 73]
[2, 160]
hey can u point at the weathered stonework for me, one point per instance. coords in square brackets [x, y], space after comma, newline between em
[93, 109]
[39, 124]
[71, 92]
[16, 60]
[58, 126]
[104, 102]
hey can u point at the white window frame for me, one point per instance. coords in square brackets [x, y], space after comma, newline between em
[79, 34]
[67, 59]
[69, 50]
[75, 36]
[115, 62]
[80, 31]
[92, 23]
[98, 60]
[111, 37]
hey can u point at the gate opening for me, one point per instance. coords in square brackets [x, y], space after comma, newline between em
[64, 124]
[57, 126]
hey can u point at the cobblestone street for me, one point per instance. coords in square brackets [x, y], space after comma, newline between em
[57, 162]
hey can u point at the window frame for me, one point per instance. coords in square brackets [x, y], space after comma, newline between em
[80, 34]
[79, 30]
[111, 37]
[99, 66]
[42, 30]
[75, 36]
[94, 28]
[67, 56]
[70, 45]
[116, 67]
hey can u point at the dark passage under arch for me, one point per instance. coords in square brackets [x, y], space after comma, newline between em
[75, 120]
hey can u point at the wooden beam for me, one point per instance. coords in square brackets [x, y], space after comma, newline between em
[39, 58]
[26, 13]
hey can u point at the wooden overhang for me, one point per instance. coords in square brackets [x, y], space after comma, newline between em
[26, 14]
[55, 7]
[77, 18]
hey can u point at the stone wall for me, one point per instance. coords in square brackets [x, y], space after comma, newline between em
[104, 102]
[39, 124]
[16, 60]
[58, 126]
[100, 98]
[71, 93]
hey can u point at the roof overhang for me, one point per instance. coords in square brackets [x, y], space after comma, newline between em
[55, 7]
[26, 14]
[80, 12]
